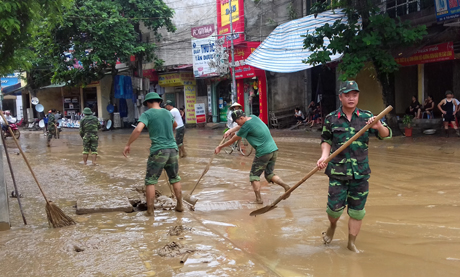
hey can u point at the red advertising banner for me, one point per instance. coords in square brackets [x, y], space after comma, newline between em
[429, 54]
[242, 52]
[223, 20]
[203, 31]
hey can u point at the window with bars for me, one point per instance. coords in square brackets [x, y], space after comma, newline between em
[396, 8]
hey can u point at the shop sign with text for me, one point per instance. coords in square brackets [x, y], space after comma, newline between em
[447, 9]
[203, 52]
[242, 70]
[223, 20]
[190, 101]
[200, 113]
[429, 54]
[176, 79]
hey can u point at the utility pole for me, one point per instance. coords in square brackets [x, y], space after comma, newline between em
[234, 96]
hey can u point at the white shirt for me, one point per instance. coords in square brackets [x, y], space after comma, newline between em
[456, 102]
[230, 123]
[175, 112]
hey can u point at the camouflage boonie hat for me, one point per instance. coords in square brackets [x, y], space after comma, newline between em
[237, 114]
[87, 111]
[349, 86]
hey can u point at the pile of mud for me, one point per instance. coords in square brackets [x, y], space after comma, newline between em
[173, 249]
[178, 230]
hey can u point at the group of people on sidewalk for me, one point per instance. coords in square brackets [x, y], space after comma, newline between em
[348, 172]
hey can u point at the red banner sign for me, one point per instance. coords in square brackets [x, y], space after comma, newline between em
[242, 52]
[429, 54]
[223, 20]
[203, 31]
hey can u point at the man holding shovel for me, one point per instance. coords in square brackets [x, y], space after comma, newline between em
[258, 135]
[163, 151]
[349, 171]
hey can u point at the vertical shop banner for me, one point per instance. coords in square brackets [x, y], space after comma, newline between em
[200, 113]
[447, 9]
[190, 101]
[223, 20]
[242, 70]
[429, 54]
[209, 99]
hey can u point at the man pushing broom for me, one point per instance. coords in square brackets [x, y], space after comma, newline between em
[349, 171]
[258, 135]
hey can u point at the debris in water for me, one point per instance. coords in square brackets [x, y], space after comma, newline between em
[78, 249]
[173, 249]
[178, 230]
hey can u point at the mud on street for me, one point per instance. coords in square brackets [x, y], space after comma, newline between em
[411, 227]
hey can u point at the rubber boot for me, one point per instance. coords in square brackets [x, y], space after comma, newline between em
[457, 132]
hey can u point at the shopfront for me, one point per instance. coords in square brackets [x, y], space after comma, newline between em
[251, 84]
[180, 88]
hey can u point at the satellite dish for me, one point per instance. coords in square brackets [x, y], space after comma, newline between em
[39, 108]
[41, 123]
[35, 101]
[110, 108]
[109, 124]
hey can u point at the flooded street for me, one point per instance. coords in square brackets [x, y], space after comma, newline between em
[411, 227]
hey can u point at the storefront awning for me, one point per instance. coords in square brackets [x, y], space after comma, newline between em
[282, 51]
[60, 85]
[12, 90]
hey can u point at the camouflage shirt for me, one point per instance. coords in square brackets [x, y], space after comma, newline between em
[51, 119]
[89, 125]
[353, 162]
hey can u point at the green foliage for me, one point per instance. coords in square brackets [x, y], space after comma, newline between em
[100, 33]
[292, 14]
[373, 41]
[20, 20]
[407, 120]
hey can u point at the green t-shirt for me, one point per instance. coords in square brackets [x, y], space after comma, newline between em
[258, 135]
[159, 122]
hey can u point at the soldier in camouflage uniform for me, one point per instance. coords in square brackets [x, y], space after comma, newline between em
[164, 153]
[51, 126]
[89, 126]
[349, 171]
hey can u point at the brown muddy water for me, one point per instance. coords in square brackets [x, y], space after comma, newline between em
[411, 227]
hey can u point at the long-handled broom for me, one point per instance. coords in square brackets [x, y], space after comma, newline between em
[56, 217]
[316, 169]
[188, 197]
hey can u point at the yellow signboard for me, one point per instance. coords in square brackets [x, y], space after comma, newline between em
[176, 79]
[225, 12]
[190, 101]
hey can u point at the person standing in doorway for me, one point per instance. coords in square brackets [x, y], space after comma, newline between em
[349, 171]
[448, 106]
[257, 134]
[163, 151]
[180, 129]
[89, 126]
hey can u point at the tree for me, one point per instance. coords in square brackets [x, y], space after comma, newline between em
[19, 21]
[377, 39]
[98, 33]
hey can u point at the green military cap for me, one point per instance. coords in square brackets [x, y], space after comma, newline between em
[349, 86]
[237, 114]
[152, 96]
[87, 111]
[169, 102]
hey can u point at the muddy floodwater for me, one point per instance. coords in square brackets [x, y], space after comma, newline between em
[411, 228]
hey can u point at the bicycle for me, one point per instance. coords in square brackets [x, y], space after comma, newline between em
[242, 146]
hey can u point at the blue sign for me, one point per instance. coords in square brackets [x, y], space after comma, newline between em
[447, 9]
[9, 80]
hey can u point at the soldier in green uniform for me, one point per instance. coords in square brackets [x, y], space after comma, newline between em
[164, 153]
[51, 126]
[89, 126]
[349, 171]
[258, 135]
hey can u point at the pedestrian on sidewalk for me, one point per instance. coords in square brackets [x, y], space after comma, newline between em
[89, 126]
[349, 171]
[51, 126]
[163, 151]
[257, 134]
[180, 129]
[448, 106]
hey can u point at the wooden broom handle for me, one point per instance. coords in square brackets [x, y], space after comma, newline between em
[24, 156]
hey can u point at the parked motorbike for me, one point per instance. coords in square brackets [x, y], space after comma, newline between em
[14, 127]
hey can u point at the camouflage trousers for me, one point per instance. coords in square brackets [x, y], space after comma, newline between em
[167, 159]
[51, 132]
[352, 193]
[90, 143]
[265, 163]
[180, 136]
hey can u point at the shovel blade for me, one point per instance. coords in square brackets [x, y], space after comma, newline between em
[262, 210]
[190, 199]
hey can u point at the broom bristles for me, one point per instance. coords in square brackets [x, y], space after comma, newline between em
[56, 217]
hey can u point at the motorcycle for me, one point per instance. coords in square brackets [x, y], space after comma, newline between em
[14, 127]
